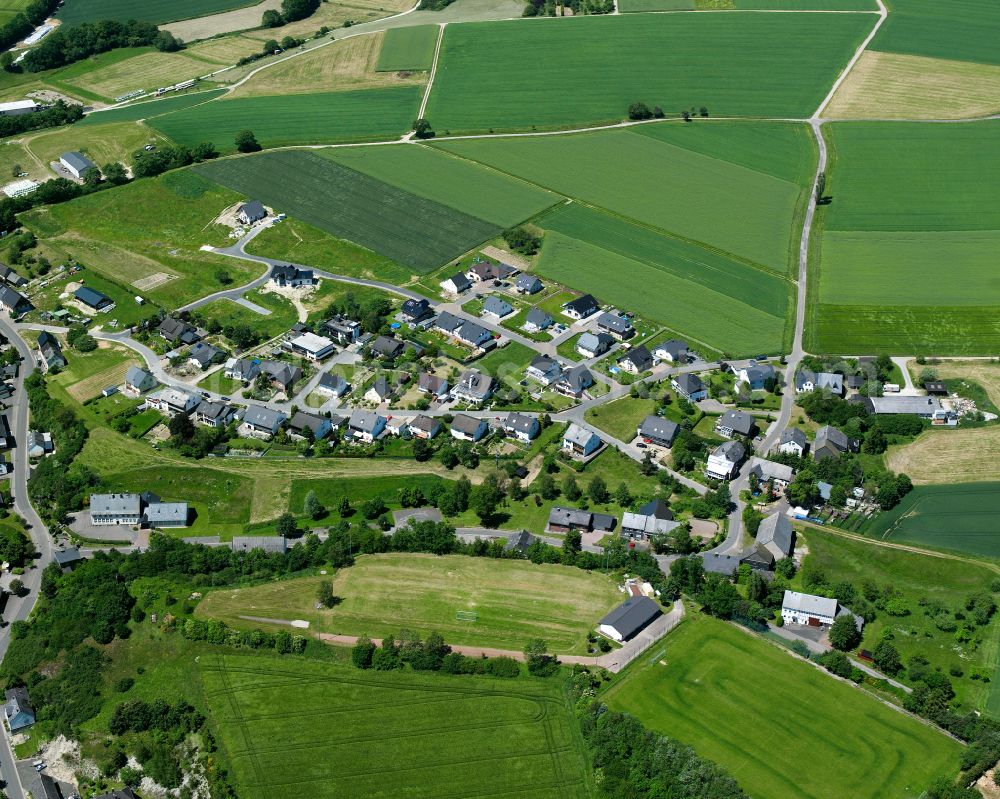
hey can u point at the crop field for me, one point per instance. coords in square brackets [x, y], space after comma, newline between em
[133, 112]
[410, 49]
[778, 65]
[428, 172]
[667, 280]
[907, 198]
[147, 71]
[969, 455]
[345, 65]
[917, 578]
[76, 11]
[745, 5]
[376, 734]
[148, 228]
[966, 30]
[895, 85]
[413, 231]
[629, 174]
[87, 374]
[296, 119]
[707, 670]
[960, 517]
[515, 600]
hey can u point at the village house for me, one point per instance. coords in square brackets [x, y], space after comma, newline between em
[8, 275]
[735, 423]
[365, 426]
[332, 385]
[536, 321]
[397, 426]
[637, 361]
[159, 515]
[652, 519]
[497, 308]
[436, 387]
[14, 302]
[808, 609]
[671, 351]
[261, 422]
[378, 392]
[574, 382]
[288, 276]
[6, 438]
[485, 271]
[214, 414]
[319, 427]
[657, 430]
[96, 300]
[717, 563]
[414, 312]
[618, 327]
[138, 381]
[465, 331]
[793, 442]
[562, 520]
[172, 401]
[924, 407]
[724, 460]
[520, 541]
[39, 444]
[591, 345]
[630, 618]
[468, 428]
[175, 331]
[425, 427]
[342, 330]
[456, 284]
[581, 307]
[765, 470]
[473, 387]
[523, 428]
[311, 346]
[831, 443]
[250, 212]
[202, 355]
[807, 380]
[50, 351]
[690, 387]
[386, 347]
[527, 284]
[18, 709]
[777, 536]
[580, 442]
[544, 370]
[282, 376]
[242, 369]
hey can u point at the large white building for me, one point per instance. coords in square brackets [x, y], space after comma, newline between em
[108, 509]
[311, 346]
[809, 609]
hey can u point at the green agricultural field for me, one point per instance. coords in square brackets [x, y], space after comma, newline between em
[515, 600]
[699, 197]
[456, 182]
[419, 233]
[964, 30]
[376, 734]
[158, 11]
[707, 670]
[957, 517]
[408, 49]
[147, 236]
[627, 6]
[777, 65]
[918, 579]
[147, 109]
[322, 118]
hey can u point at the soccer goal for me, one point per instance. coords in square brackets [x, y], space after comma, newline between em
[466, 615]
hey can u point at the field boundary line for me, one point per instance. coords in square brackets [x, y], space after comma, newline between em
[434, 67]
[883, 14]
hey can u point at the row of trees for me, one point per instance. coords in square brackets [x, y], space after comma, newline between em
[291, 11]
[61, 113]
[23, 23]
[66, 45]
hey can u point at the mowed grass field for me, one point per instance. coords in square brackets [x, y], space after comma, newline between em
[410, 49]
[778, 65]
[908, 198]
[745, 5]
[958, 517]
[292, 726]
[417, 232]
[435, 175]
[966, 30]
[76, 11]
[321, 118]
[515, 600]
[148, 232]
[707, 670]
[146, 109]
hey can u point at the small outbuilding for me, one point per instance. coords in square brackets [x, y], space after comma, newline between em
[77, 164]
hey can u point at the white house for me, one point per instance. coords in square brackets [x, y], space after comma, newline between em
[581, 307]
[758, 376]
[468, 428]
[523, 428]
[543, 369]
[590, 345]
[456, 284]
[261, 422]
[766, 470]
[793, 442]
[365, 425]
[172, 401]
[311, 346]
[724, 460]
[630, 618]
[808, 609]
[250, 212]
[672, 351]
[112, 509]
[138, 381]
[580, 442]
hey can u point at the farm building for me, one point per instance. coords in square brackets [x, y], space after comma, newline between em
[630, 618]
[657, 430]
[18, 108]
[690, 387]
[39, 444]
[580, 442]
[716, 563]
[250, 212]
[724, 460]
[20, 188]
[164, 514]
[924, 407]
[77, 164]
[777, 536]
[94, 299]
[653, 518]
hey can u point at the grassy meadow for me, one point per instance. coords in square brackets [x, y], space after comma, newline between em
[376, 734]
[964, 30]
[419, 233]
[515, 600]
[147, 109]
[409, 49]
[159, 11]
[708, 670]
[778, 65]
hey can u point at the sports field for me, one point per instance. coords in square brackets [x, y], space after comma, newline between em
[294, 727]
[410, 49]
[297, 118]
[427, 172]
[908, 198]
[707, 670]
[414, 231]
[958, 517]
[76, 11]
[514, 601]
[647, 178]
[778, 65]
[966, 30]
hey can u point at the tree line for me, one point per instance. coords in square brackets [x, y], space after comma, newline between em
[66, 45]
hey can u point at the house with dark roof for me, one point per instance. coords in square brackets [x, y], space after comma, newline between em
[387, 347]
[202, 355]
[68, 558]
[521, 541]
[652, 519]
[39, 444]
[261, 422]
[831, 443]
[46, 788]
[562, 520]
[271, 544]
[214, 414]
[793, 442]
[341, 329]
[716, 563]
[725, 459]
[18, 709]
[119, 793]
[807, 380]
[281, 375]
[757, 376]
[522, 427]
[428, 383]
[581, 307]
[178, 332]
[415, 311]
[379, 391]
[473, 335]
[94, 299]
[468, 428]
[10, 276]
[473, 387]
[365, 425]
[485, 271]
[590, 345]
[242, 369]
[160, 515]
[332, 385]
[544, 370]
[630, 618]
[657, 430]
[50, 351]
[936, 387]
[14, 302]
[536, 321]
[735, 423]
[771, 471]
[319, 427]
[758, 558]
[637, 360]
[671, 351]
[527, 284]
[776, 535]
[456, 284]
[288, 276]
[618, 327]
[251, 211]
[497, 307]
[574, 382]
[689, 386]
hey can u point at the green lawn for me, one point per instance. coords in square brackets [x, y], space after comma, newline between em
[408, 49]
[378, 734]
[515, 600]
[127, 311]
[420, 233]
[622, 417]
[920, 579]
[755, 709]
[358, 491]
[964, 30]
[296, 118]
[76, 11]
[466, 186]
[507, 363]
[283, 314]
[778, 65]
